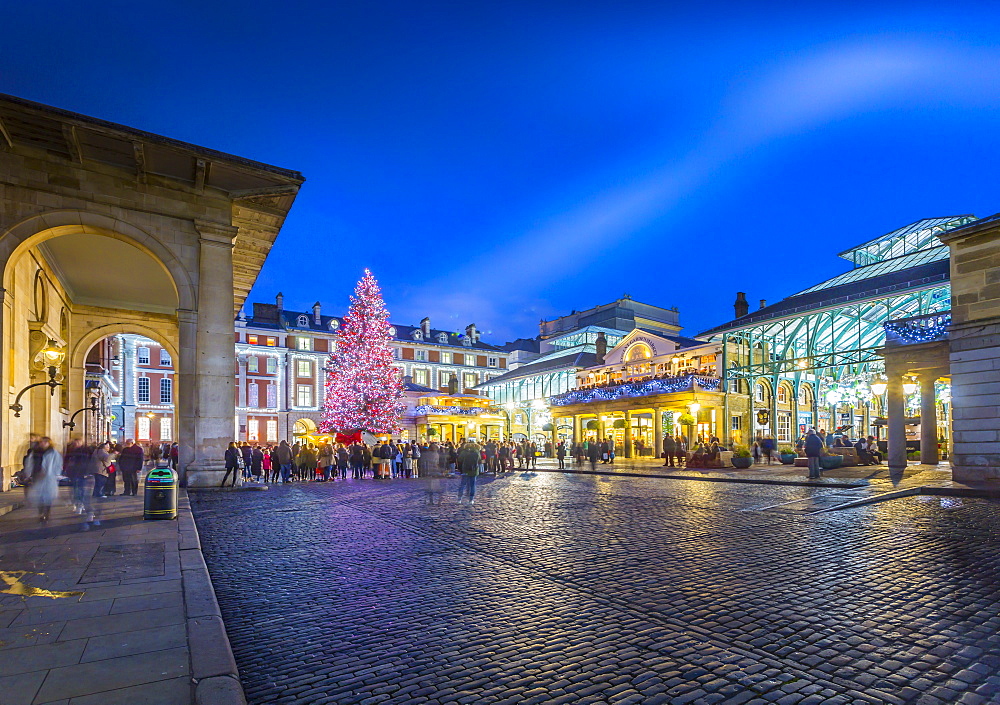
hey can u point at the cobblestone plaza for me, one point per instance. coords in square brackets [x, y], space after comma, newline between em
[558, 588]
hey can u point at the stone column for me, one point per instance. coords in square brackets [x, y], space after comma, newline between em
[657, 432]
[185, 406]
[628, 433]
[928, 419]
[215, 362]
[896, 413]
[577, 435]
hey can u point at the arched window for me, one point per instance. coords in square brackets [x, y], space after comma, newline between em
[759, 393]
[782, 394]
[417, 334]
[442, 338]
[303, 322]
[638, 352]
[166, 391]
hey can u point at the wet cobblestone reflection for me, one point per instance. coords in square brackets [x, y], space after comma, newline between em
[584, 589]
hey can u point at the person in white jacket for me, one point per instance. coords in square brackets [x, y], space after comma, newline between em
[42, 468]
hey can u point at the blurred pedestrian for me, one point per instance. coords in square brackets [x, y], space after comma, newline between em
[130, 465]
[468, 464]
[42, 472]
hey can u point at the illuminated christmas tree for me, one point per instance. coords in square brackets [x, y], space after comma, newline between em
[363, 390]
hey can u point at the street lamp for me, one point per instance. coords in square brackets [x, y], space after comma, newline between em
[72, 424]
[48, 358]
[909, 386]
[878, 387]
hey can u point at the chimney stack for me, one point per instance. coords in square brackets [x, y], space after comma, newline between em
[317, 319]
[472, 333]
[741, 306]
[279, 302]
[425, 327]
[763, 303]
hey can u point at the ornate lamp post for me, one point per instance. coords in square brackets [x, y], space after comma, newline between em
[49, 359]
[72, 424]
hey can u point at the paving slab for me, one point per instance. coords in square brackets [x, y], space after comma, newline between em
[95, 614]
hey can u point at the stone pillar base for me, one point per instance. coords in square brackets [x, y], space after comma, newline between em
[205, 477]
[975, 468]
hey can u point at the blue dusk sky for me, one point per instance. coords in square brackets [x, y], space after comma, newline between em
[502, 162]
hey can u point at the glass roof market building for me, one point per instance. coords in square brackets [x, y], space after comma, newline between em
[826, 339]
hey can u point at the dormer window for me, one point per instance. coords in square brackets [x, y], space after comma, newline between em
[334, 324]
[418, 334]
[467, 341]
[303, 322]
[442, 338]
[392, 330]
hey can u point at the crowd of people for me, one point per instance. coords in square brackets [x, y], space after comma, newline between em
[93, 471]
[385, 460]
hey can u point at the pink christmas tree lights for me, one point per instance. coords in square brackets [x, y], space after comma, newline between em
[363, 389]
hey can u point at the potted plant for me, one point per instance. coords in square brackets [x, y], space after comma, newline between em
[619, 423]
[593, 425]
[786, 454]
[431, 432]
[547, 427]
[741, 457]
[829, 461]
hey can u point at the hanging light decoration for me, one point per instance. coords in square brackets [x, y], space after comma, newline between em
[878, 387]
[909, 386]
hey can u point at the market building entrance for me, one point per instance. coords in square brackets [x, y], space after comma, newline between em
[106, 232]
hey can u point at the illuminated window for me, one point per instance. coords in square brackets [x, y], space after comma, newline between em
[782, 394]
[305, 344]
[272, 396]
[166, 429]
[785, 427]
[252, 363]
[272, 342]
[446, 358]
[303, 368]
[253, 395]
[252, 339]
[166, 391]
[272, 365]
[142, 428]
[272, 430]
[165, 360]
[303, 395]
[142, 356]
[420, 355]
[253, 430]
[142, 390]
[471, 380]
[420, 377]
[444, 378]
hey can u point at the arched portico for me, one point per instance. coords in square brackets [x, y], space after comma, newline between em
[108, 230]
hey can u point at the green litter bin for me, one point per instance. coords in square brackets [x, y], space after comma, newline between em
[160, 496]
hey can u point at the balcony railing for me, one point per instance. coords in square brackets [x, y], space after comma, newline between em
[929, 328]
[665, 385]
[428, 410]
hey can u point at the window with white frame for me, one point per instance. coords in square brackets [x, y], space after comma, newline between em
[272, 430]
[492, 362]
[272, 365]
[305, 344]
[446, 358]
[303, 395]
[166, 391]
[471, 380]
[253, 395]
[519, 418]
[142, 428]
[785, 428]
[303, 368]
[442, 338]
[782, 394]
[252, 363]
[420, 377]
[165, 360]
[142, 390]
[420, 355]
[734, 386]
[272, 396]
[142, 356]
[303, 322]
[803, 395]
[166, 429]
[253, 430]
[735, 423]
[759, 393]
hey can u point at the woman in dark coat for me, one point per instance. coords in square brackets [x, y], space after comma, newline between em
[233, 460]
